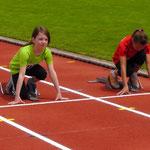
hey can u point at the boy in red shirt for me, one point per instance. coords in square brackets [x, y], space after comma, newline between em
[130, 55]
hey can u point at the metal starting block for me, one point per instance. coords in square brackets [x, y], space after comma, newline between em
[103, 80]
[106, 81]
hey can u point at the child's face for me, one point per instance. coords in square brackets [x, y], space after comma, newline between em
[138, 46]
[41, 41]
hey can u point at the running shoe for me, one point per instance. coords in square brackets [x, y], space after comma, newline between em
[134, 81]
[32, 90]
[9, 87]
[113, 80]
[31, 96]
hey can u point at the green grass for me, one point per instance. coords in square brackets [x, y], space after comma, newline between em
[89, 27]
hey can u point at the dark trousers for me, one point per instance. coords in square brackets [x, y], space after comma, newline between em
[138, 59]
[37, 71]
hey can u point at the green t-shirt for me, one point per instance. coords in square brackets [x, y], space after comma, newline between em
[26, 57]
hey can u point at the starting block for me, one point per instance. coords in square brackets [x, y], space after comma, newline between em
[106, 81]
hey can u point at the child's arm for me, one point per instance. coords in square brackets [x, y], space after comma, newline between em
[18, 86]
[148, 64]
[123, 70]
[20, 81]
[54, 79]
[123, 62]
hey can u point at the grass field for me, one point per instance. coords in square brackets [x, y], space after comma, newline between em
[89, 27]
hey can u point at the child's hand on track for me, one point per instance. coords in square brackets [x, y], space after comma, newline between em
[125, 90]
[59, 97]
[17, 101]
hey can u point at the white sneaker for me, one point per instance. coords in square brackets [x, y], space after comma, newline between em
[135, 80]
[113, 80]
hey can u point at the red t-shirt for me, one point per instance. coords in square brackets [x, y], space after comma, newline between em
[125, 48]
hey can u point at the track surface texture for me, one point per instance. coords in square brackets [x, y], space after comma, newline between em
[93, 118]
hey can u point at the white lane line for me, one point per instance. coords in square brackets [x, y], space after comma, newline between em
[41, 103]
[4, 69]
[95, 98]
[100, 100]
[34, 134]
[71, 100]
[127, 95]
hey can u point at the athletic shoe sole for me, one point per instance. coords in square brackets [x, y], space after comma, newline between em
[114, 86]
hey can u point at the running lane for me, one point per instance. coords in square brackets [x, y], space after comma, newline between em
[81, 122]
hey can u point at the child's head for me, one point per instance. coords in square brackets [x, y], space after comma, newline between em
[43, 30]
[139, 39]
[38, 30]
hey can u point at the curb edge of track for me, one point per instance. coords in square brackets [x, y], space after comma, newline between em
[87, 59]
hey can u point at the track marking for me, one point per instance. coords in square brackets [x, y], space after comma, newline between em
[128, 95]
[70, 100]
[64, 91]
[94, 98]
[34, 134]
[4, 69]
[124, 109]
[41, 103]
[4, 66]
[71, 61]
[12, 119]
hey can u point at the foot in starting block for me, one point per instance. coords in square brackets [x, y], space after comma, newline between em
[106, 81]
[103, 80]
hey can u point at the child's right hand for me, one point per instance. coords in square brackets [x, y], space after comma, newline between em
[125, 90]
[17, 100]
[59, 97]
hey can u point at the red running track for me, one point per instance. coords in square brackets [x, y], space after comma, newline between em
[84, 122]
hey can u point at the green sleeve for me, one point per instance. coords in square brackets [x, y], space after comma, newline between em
[48, 57]
[23, 58]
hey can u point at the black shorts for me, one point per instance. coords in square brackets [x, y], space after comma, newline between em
[139, 59]
[37, 71]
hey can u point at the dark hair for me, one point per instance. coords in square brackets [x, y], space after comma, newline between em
[139, 36]
[36, 32]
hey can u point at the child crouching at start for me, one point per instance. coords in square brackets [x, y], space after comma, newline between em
[26, 62]
[130, 55]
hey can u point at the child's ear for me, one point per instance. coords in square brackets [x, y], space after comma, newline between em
[33, 40]
[132, 39]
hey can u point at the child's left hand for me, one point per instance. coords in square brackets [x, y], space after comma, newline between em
[59, 97]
